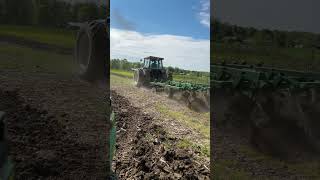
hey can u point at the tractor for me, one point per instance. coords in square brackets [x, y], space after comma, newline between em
[152, 70]
[153, 75]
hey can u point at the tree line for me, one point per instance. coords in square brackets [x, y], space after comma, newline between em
[227, 33]
[55, 13]
[124, 64]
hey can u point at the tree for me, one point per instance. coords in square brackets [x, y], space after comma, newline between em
[281, 38]
[170, 69]
[87, 12]
[2, 12]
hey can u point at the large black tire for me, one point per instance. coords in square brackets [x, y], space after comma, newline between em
[92, 51]
[138, 77]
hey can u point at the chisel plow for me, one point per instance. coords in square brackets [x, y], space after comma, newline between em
[278, 105]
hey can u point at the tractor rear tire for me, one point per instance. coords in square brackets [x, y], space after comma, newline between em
[138, 78]
[91, 51]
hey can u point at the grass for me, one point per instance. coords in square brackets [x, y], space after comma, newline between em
[222, 172]
[128, 74]
[59, 37]
[117, 80]
[203, 149]
[191, 79]
[293, 58]
[202, 127]
[29, 60]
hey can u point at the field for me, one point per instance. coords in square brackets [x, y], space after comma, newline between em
[56, 122]
[294, 58]
[176, 77]
[27, 59]
[58, 37]
[166, 124]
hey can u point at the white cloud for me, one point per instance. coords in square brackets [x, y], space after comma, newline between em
[204, 13]
[178, 51]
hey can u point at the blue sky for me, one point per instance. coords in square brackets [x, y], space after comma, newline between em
[176, 17]
[174, 29]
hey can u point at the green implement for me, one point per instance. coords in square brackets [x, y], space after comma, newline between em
[267, 99]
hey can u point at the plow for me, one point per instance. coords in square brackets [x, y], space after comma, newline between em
[277, 106]
[153, 75]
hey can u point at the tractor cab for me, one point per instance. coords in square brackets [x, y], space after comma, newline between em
[153, 63]
[152, 70]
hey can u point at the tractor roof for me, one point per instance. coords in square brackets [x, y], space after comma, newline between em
[153, 58]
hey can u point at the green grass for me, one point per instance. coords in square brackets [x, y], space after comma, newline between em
[201, 124]
[203, 127]
[128, 74]
[117, 80]
[191, 79]
[294, 58]
[59, 37]
[203, 149]
[29, 60]
[222, 172]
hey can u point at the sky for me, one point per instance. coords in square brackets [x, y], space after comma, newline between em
[292, 15]
[177, 30]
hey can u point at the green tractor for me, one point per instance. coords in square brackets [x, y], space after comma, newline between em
[152, 70]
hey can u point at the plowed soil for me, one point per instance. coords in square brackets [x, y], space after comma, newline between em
[145, 151]
[56, 126]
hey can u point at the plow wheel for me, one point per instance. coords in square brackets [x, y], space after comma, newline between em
[138, 78]
[91, 51]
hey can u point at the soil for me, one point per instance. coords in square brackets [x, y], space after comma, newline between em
[56, 126]
[147, 101]
[233, 144]
[145, 151]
